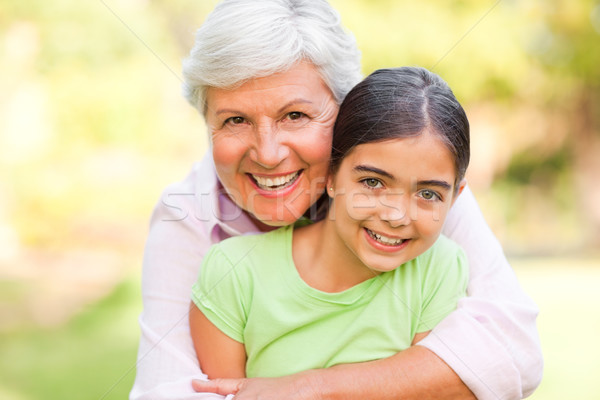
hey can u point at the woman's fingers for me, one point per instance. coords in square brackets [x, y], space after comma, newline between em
[218, 386]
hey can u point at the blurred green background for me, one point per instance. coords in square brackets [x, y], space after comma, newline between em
[93, 127]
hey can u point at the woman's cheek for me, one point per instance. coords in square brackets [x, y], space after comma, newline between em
[325, 140]
[226, 152]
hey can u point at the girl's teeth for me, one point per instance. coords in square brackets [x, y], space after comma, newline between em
[275, 183]
[385, 239]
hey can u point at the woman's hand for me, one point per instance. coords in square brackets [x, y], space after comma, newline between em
[299, 386]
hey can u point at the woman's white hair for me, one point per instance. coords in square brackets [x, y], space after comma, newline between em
[245, 39]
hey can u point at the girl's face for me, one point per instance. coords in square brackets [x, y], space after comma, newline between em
[271, 142]
[391, 199]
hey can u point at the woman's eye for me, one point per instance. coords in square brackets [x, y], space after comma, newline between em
[234, 121]
[294, 120]
[429, 195]
[372, 183]
[295, 115]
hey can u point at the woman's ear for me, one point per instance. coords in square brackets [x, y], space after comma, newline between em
[459, 189]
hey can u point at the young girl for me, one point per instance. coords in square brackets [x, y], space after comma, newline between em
[373, 277]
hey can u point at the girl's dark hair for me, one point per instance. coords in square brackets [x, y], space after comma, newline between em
[397, 103]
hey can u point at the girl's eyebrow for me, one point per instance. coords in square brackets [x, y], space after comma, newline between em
[429, 182]
[434, 182]
[375, 170]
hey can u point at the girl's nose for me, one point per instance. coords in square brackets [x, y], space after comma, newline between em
[395, 213]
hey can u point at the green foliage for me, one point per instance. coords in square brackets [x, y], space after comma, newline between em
[536, 168]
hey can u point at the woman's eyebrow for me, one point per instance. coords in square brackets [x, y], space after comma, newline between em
[286, 105]
[227, 111]
[375, 170]
[293, 102]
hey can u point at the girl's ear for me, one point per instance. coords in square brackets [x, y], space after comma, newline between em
[459, 190]
[329, 187]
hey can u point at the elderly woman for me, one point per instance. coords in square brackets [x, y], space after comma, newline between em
[268, 77]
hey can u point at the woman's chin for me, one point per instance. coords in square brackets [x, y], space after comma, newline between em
[278, 215]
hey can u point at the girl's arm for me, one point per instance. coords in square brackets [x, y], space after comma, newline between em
[419, 336]
[220, 356]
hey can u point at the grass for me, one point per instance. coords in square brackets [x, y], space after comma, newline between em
[566, 291]
[92, 357]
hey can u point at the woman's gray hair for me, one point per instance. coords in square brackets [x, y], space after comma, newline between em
[245, 39]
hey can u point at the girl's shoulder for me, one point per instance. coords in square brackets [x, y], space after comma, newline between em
[444, 251]
[238, 258]
[446, 245]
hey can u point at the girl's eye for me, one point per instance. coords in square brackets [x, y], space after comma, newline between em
[429, 195]
[372, 183]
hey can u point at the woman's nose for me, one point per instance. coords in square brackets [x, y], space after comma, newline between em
[267, 149]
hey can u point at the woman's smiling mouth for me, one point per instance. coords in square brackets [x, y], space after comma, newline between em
[275, 183]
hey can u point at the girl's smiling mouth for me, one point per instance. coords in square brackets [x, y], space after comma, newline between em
[385, 240]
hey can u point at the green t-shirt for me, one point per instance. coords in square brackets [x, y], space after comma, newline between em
[250, 289]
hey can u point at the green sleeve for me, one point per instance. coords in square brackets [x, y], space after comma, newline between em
[445, 282]
[219, 294]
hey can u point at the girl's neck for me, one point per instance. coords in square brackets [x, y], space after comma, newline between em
[323, 261]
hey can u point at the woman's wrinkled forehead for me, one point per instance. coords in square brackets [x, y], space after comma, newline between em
[300, 83]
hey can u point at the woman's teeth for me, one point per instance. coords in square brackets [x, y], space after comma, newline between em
[384, 239]
[276, 183]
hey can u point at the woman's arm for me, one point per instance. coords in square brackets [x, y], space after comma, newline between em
[413, 374]
[491, 340]
[220, 356]
[176, 244]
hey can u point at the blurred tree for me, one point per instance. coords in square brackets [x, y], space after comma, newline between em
[564, 44]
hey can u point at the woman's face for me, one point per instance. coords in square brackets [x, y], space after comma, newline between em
[391, 199]
[271, 142]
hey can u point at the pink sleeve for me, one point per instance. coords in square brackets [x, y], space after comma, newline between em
[491, 340]
[176, 243]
